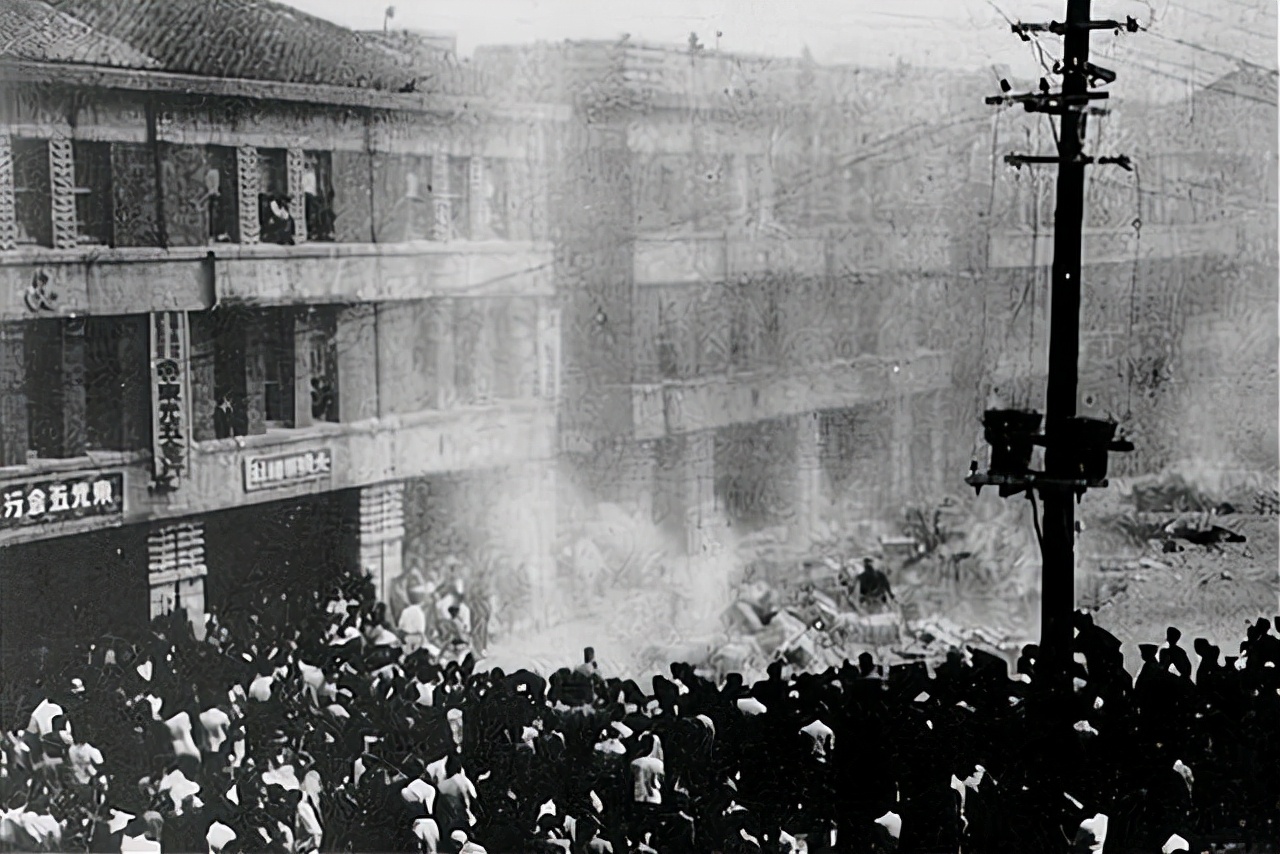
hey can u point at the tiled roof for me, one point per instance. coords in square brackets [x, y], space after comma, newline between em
[30, 29]
[247, 39]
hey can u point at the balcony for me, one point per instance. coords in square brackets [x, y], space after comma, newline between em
[101, 281]
[335, 272]
[222, 473]
[1231, 238]
[675, 407]
[675, 259]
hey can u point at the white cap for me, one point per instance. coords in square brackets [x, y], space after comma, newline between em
[891, 822]
[1175, 843]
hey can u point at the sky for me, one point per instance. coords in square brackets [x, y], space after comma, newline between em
[1189, 42]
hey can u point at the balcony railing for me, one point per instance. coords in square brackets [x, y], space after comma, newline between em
[655, 410]
[64, 282]
[229, 473]
[327, 273]
[668, 259]
[1231, 238]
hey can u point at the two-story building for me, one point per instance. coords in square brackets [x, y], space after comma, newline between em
[757, 273]
[271, 304]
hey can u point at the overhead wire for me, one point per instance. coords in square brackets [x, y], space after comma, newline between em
[1133, 290]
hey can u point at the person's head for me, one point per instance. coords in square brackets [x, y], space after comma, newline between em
[1148, 652]
[1082, 620]
[1172, 635]
[453, 610]
[588, 655]
[1201, 646]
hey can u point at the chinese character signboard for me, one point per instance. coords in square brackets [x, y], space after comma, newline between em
[47, 502]
[286, 469]
[170, 397]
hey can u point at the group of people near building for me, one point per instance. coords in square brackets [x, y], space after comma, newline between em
[433, 613]
[334, 732]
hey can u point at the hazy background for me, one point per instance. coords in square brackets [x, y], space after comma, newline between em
[1189, 42]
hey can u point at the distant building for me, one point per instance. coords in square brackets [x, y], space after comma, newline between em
[757, 257]
[263, 315]
[1180, 279]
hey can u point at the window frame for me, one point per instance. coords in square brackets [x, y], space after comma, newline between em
[96, 184]
[43, 207]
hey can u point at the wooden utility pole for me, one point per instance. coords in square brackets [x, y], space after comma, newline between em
[1057, 603]
[1075, 448]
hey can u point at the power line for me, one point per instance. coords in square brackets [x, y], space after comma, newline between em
[1218, 19]
[1233, 94]
[1231, 56]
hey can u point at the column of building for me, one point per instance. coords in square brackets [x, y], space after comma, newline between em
[381, 545]
[690, 474]
[176, 571]
[900, 441]
[807, 490]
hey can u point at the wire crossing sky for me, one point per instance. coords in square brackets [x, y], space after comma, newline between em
[1190, 42]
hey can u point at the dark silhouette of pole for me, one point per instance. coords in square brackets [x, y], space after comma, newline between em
[1058, 544]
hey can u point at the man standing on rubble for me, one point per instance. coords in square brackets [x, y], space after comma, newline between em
[874, 591]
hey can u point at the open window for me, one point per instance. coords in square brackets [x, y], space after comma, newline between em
[317, 185]
[47, 346]
[92, 165]
[222, 194]
[278, 368]
[321, 357]
[116, 382]
[275, 222]
[32, 192]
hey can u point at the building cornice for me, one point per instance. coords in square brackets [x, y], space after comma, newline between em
[139, 80]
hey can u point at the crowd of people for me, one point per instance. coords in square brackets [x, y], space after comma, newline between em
[339, 732]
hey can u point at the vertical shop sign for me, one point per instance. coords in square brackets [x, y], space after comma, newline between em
[170, 397]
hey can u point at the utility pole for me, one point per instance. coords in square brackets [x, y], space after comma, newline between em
[1058, 579]
[1075, 449]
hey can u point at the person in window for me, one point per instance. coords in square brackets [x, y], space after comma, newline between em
[275, 219]
[230, 417]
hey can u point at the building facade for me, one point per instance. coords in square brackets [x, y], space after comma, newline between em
[256, 329]
[1178, 324]
[757, 283]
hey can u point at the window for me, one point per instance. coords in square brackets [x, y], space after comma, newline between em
[116, 381]
[275, 222]
[93, 192]
[496, 189]
[278, 368]
[43, 360]
[85, 384]
[402, 197]
[272, 369]
[317, 185]
[32, 191]
[322, 364]
[223, 194]
[459, 192]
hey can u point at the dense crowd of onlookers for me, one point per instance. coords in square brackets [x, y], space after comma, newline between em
[334, 733]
